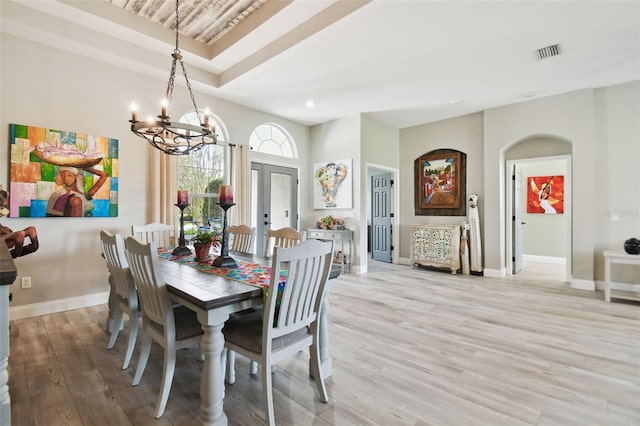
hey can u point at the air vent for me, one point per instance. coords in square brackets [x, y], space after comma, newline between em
[548, 52]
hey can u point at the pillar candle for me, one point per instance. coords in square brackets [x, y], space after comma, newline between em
[226, 194]
[183, 197]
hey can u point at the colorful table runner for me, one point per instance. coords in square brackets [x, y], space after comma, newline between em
[246, 273]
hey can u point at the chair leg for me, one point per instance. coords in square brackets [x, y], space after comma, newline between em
[167, 378]
[317, 375]
[133, 333]
[267, 391]
[231, 367]
[145, 348]
[115, 329]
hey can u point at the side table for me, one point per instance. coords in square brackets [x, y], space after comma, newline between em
[623, 258]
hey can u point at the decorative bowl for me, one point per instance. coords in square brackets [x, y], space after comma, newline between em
[632, 246]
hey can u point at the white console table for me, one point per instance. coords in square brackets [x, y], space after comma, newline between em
[343, 242]
[8, 274]
[624, 258]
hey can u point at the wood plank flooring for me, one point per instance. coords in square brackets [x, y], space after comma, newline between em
[409, 347]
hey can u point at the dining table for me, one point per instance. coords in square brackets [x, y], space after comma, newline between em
[214, 297]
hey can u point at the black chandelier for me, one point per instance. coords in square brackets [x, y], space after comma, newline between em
[171, 137]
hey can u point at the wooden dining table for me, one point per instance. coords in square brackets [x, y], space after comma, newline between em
[214, 298]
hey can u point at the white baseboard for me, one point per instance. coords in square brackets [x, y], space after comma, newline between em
[544, 259]
[60, 305]
[495, 273]
[582, 284]
[618, 286]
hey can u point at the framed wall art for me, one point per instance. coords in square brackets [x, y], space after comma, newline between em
[440, 185]
[333, 185]
[545, 194]
[57, 173]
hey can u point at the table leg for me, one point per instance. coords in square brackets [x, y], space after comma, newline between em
[212, 382]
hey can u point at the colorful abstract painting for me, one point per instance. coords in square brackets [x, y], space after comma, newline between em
[57, 173]
[545, 194]
[332, 184]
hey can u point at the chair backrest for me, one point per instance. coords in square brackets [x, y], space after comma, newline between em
[114, 254]
[307, 268]
[162, 234]
[283, 237]
[145, 269]
[241, 237]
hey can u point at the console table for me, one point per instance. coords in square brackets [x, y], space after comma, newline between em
[343, 240]
[624, 258]
[436, 245]
[8, 274]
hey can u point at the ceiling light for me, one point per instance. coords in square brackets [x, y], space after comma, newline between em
[173, 137]
[310, 104]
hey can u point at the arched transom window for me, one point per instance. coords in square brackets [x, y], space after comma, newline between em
[270, 138]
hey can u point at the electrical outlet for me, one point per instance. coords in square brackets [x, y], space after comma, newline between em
[26, 282]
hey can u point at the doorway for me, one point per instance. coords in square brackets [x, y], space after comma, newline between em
[381, 217]
[389, 218]
[537, 243]
[274, 199]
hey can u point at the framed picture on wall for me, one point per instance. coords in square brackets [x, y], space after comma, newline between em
[440, 185]
[545, 194]
[333, 185]
[56, 173]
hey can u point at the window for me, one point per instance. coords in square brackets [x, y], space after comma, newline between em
[202, 173]
[270, 138]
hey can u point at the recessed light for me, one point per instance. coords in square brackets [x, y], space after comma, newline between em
[310, 104]
[455, 101]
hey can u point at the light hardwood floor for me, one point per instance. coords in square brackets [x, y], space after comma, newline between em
[409, 347]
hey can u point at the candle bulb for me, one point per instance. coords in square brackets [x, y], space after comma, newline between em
[164, 104]
[134, 109]
[206, 117]
[183, 197]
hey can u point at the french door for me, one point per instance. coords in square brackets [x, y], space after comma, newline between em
[274, 199]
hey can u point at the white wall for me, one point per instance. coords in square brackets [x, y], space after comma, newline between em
[50, 88]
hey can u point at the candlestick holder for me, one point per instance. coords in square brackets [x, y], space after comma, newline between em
[224, 260]
[182, 248]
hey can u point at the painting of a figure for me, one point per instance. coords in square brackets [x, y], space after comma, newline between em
[545, 194]
[439, 186]
[57, 173]
[333, 185]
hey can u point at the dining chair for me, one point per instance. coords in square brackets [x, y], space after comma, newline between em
[241, 237]
[283, 237]
[162, 234]
[124, 291]
[173, 327]
[289, 322]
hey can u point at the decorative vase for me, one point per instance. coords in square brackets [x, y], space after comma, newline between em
[632, 246]
[202, 252]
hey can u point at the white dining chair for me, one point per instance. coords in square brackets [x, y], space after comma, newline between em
[125, 293]
[173, 327]
[283, 237]
[162, 234]
[241, 237]
[290, 319]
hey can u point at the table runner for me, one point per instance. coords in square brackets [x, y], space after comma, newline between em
[246, 273]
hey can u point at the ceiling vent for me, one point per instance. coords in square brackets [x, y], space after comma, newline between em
[548, 52]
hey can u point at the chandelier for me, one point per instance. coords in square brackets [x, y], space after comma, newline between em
[172, 137]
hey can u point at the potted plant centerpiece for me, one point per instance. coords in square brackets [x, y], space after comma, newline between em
[202, 243]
